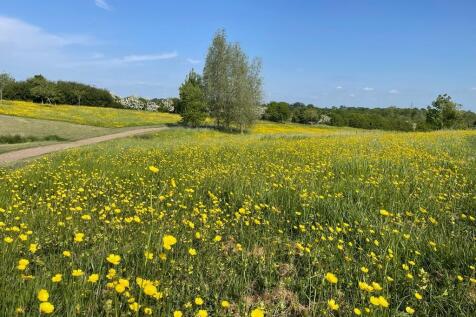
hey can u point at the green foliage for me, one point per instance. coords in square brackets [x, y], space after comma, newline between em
[39, 89]
[5, 80]
[277, 112]
[192, 105]
[17, 138]
[443, 113]
[215, 77]
[232, 84]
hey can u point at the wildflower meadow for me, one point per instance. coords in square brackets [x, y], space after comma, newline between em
[203, 223]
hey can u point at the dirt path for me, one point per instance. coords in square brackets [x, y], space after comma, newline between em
[41, 150]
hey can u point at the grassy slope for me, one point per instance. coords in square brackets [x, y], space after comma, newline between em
[11, 125]
[94, 116]
[288, 211]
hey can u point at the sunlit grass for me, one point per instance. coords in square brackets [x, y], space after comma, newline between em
[95, 116]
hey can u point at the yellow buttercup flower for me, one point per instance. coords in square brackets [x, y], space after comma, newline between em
[331, 278]
[79, 237]
[153, 169]
[168, 241]
[33, 247]
[77, 272]
[22, 264]
[198, 301]
[93, 278]
[57, 278]
[46, 308]
[150, 289]
[202, 313]
[114, 259]
[225, 304]
[331, 303]
[43, 295]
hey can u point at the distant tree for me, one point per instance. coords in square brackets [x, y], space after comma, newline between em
[277, 112]
[192, 104]
[245, 89]
[215, 78]
[45, 91]
[5, 80]
[443, 113]
[233, 85]
[79, 92]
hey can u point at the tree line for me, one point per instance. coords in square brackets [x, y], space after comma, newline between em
[39, 89]
[229, 91]
[442, 113]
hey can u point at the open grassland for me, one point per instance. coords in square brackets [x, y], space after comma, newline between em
[25, 127]
[280, 129]
[378, 224]
[93, 116]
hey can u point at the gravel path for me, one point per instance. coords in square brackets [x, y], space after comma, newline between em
[41, 150]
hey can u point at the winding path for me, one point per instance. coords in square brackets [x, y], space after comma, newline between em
[41, 150]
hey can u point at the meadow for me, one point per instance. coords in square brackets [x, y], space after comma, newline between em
[307, 222]
[92, 116]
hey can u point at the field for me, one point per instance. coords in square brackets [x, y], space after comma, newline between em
[93, 116]
[26, 127]
[307, 222]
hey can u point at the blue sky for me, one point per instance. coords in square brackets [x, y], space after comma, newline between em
[329, 53]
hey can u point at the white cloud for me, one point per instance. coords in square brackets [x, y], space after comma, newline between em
[393, 91]
[125, 60]
[31, 49]
[193, 61]
[474, 88]
[16, 35]
[146, 58]
[368, 89]
[351, 95]
[339, 87]
[102, 4]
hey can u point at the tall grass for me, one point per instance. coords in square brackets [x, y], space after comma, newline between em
[392, 216]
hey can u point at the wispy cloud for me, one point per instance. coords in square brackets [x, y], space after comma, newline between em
[123, 61]
[29, 48]
[474, 88]
[193, 61]
[146, 58]
[393, 91]
[103, 4]
[368, 89]
[339, 87]
[16, 35]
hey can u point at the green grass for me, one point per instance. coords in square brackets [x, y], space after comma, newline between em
[288, 211]
[36, 132]
[92, 116]
[41, 129]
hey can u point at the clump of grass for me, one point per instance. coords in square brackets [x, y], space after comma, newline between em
[17, 138]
